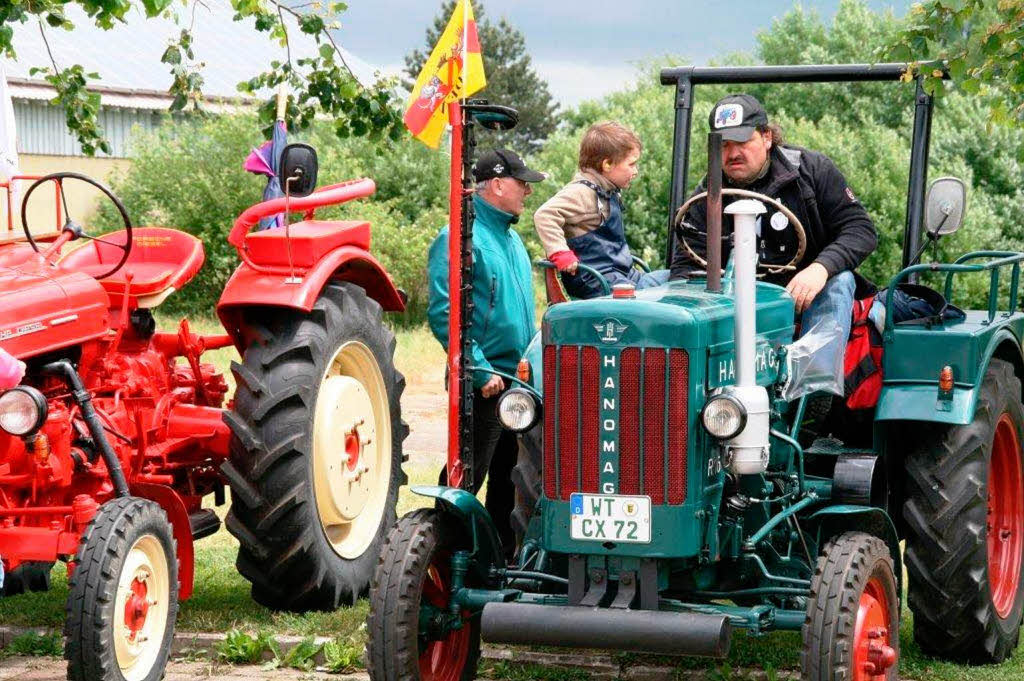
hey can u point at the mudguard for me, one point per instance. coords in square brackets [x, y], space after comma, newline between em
[919, 401]
[833, 520]
[477, 521]
[249, 287]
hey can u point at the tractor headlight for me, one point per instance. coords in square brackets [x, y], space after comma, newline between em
[724, 416]
[22, 410]
[517, 410]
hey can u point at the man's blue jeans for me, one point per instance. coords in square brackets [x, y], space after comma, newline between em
[834, 303]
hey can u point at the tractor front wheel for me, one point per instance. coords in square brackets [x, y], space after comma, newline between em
[412, 634]
[851, 632]
[316, 452]
[965, 522]
[123, 595]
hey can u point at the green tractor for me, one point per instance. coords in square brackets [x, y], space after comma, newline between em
[669, 492]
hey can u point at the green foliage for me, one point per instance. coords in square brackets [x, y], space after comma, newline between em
[300, 656]
[981, 41]
[342, 656]
[241, 648]
[865, 128]
[511, 79]
[32, 644]
[189, 176]
[321, 85]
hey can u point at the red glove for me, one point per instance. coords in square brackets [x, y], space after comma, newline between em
[565, 261]
[11, 370]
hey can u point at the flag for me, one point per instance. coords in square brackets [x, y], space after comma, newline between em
[454, 70]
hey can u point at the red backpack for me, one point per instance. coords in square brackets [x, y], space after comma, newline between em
[862, 364]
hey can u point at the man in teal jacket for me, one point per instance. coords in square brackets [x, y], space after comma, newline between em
[502, 323]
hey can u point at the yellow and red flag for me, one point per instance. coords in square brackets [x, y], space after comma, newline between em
[454, 70]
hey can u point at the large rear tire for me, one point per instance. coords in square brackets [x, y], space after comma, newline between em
[316, 450]
[412, 585]
[852, 632]
[123, 595]
[965, 523]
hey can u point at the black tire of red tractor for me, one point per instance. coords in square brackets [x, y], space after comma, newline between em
[526, 477]
[947, 545]
[284, 551]
[27, 577]
[844, 568]
[92, 589]
[393, 644]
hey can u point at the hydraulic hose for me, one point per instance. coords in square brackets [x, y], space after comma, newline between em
[83, 399]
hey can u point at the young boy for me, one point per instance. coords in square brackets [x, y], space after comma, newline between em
[582, 223]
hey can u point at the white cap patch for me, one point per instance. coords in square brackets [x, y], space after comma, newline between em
[728, 115]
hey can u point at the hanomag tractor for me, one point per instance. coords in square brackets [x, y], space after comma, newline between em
[667, 493]
[119, 431]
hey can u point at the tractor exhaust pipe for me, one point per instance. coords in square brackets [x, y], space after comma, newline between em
[747, 453]
[644, 631]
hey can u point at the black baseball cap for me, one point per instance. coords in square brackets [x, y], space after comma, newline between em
[504, 163]
[736, 117]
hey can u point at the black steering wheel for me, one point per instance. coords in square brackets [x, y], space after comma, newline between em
[75, 229]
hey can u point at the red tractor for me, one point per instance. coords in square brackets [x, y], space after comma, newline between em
[119, 430]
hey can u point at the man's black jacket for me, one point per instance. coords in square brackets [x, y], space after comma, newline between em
[840, 235]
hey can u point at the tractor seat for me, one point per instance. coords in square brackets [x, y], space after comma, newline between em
[310, 241]
[161, 261]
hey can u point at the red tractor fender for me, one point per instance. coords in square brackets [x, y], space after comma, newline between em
[250, 288]
[178, 515]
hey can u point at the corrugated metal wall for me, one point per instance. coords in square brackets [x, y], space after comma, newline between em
[42, 130]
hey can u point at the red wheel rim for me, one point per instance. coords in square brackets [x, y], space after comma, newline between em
[873, 653]
[136, 609]
[1005, 526]
[443, 659]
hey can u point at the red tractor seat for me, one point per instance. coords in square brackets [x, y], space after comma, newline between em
[162, 260]
[310, 241]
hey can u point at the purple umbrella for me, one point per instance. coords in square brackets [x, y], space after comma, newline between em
[266, 160]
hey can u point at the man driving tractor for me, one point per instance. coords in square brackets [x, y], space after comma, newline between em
[840, 234]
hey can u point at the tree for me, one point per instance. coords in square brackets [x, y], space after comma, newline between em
[511, 79]
[321, 83]
[982, 41]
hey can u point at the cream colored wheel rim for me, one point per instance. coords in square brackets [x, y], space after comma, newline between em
[351, 449]
[140, 608]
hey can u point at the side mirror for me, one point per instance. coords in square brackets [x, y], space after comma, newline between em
[944, 206]
[298, 168]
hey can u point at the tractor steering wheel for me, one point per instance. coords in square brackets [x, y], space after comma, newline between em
[74, 229]
[801, 235]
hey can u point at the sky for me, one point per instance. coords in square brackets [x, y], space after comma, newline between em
[585, 48]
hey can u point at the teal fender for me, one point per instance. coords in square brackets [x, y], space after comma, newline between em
[834, 520]
[920, 401]
[535, 356]
[477, 522]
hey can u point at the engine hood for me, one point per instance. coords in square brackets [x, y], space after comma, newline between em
[42, 310]
[679, 314]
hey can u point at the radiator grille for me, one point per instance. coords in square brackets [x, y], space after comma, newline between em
[651, 407]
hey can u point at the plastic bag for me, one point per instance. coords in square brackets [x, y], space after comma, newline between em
[11, 370]
[814, 362]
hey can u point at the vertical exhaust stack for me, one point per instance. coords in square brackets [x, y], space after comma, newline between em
[714, 212]
[747, 453]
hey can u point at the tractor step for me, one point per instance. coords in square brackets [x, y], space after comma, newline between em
[204, 523]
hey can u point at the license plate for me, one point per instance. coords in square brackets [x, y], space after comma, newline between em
[605, 517]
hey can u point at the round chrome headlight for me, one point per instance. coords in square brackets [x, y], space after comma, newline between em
[517, 410]
[22, 410]
[724, 417]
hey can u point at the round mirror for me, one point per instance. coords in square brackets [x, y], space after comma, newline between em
[944, 207]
